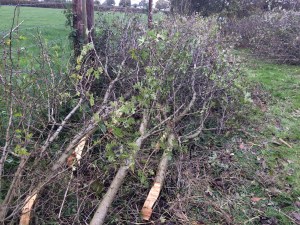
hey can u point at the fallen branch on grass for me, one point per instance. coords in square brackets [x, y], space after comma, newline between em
[284, 142]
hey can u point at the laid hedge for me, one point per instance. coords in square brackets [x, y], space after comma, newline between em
[273, 35]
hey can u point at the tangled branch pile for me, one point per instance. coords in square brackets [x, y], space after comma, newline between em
[135, 97]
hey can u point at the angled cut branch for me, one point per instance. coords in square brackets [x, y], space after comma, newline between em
[11, 193]
[30, 200]
[108, 198]
[159, 179]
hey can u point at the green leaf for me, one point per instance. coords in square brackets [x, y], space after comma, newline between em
[28, 136]
[21, 150]
[92, 100]
[18, 114]
[21, 37]
[118, 132]
[96, 118]
[103, 127]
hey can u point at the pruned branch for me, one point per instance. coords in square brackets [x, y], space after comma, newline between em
[159, 179]
[108, 198]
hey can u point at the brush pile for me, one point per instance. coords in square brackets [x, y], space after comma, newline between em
[136, 98]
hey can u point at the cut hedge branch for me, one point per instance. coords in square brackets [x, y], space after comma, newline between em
[159, 179]
[76, 155]
[108, 198]
[26, 210]
[30, 200]
[86, 131]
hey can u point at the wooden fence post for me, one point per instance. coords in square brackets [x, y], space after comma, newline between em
[150, 14]
[77, 26]
[90, 18]
[84, 21]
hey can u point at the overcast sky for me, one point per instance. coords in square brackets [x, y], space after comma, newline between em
[132, 1]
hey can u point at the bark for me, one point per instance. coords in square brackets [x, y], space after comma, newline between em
[108, 198]
[90, 19]
[150, 14]
[77, 26]
[29, 203]
[84, 21]
[59, 129]
[104, 112]
[17, 177]
[159, 179]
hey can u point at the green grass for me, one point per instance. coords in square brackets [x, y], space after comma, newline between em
[280, 121]
[41, 29]
[49, 22]
[47, 26]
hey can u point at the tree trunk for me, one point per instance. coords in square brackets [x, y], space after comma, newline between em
[77, 26]
[84, 21]
[150, 14]
[159, 179]
[90, 19]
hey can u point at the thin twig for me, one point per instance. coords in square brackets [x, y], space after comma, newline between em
[65, 195]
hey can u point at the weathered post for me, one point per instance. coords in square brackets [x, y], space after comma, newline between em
[150, 14]
[77, 26]
[84, 21]
[90, 18]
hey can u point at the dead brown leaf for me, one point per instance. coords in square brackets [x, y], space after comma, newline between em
[242, 146]
[256, 199]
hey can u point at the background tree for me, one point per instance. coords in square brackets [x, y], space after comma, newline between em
[162, 4]
[109, 3]
[125, 3]
[239, 8]
[143, 4]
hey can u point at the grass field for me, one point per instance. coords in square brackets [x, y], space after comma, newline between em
[47, 23]
[41, 29]
[43, 26]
